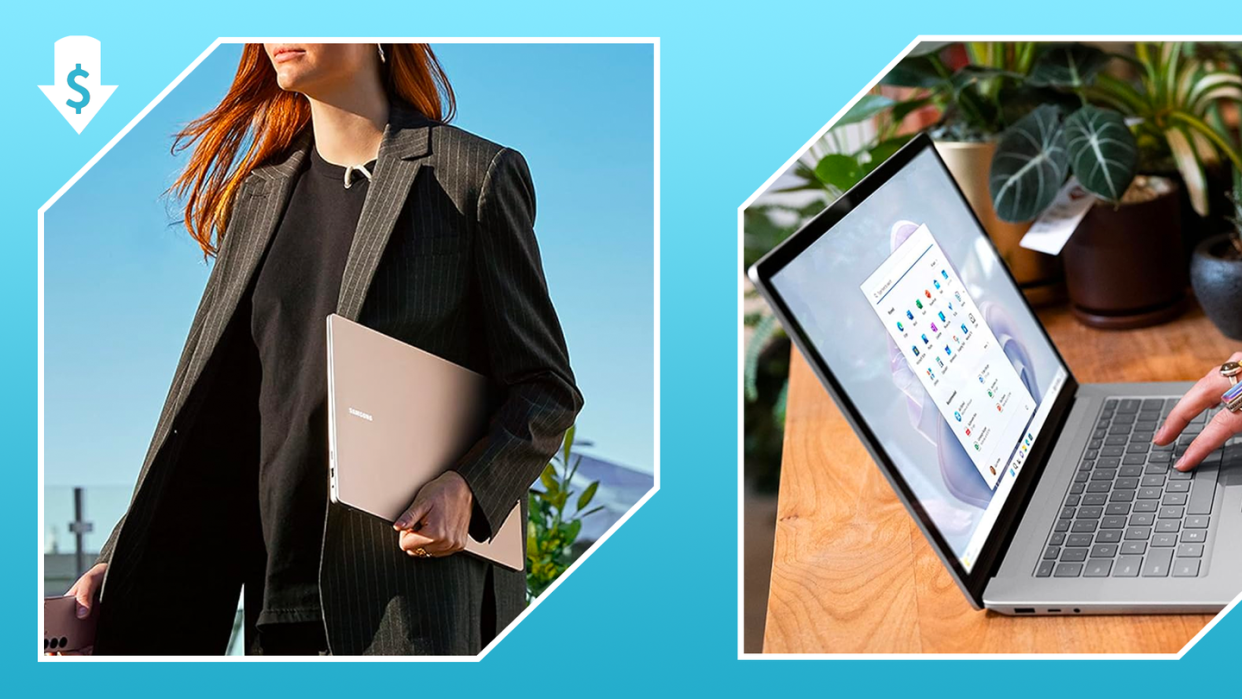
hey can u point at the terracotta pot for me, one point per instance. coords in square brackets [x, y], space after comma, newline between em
[1038, 275]
[1125, 266]
[1217, 281]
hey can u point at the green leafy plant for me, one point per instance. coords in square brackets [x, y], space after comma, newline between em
[1235, 196]
[1175, 105]
[1036, 154]
[553, 528]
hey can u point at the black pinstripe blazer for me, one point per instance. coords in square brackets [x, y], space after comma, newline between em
[444, 257]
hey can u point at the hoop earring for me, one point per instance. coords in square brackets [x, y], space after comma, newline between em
[380, 48]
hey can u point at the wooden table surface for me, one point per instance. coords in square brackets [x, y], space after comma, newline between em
[851, 571]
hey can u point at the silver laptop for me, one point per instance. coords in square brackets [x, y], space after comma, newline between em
[398, 417]
[1040, 495]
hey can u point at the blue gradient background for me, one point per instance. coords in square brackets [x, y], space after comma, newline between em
[744, 85]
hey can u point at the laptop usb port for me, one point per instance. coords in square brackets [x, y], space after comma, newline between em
[1024, 610]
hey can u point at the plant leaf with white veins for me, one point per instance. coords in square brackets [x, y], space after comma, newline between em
[1029, 166]
[1102, 151]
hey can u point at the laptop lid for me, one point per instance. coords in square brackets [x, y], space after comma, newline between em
[901, 304]
[399, 417]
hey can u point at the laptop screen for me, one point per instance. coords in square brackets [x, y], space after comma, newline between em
[912, 311]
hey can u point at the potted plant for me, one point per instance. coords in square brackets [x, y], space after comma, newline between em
[1134, 231]
[981, 89]
[1216, 271]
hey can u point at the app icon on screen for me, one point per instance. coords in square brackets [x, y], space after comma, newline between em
[928, 293]
[901, 328]
[916, 349]
[958, 296]
[931, 374]
[944, 274]
[948, 350]
[934, 328]
[980, 378]
[942, 318]
[909, 315]
[957, 415]
[918, 303]
[950, 305]
[999, 408]
[937, 284]
[964, 330]
[967, 431]
[925, 340]
[955, 338]
[940, 362]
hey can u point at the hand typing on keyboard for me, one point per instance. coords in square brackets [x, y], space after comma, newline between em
[1203, 396]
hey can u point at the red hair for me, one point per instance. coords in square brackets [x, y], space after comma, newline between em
[257, 121]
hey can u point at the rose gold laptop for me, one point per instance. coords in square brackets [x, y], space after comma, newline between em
[398, 417]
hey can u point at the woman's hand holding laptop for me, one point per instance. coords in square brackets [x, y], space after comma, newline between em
[438, 522]
[1205, 394]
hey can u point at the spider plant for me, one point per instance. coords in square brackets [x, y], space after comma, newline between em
[1235, 235]
[1175, 107]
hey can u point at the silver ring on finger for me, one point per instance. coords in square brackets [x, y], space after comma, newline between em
[1232, 398]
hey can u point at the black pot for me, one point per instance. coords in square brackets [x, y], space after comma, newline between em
[1217, 282]
[1124, 266]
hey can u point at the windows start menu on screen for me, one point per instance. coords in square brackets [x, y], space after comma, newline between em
[941, 332]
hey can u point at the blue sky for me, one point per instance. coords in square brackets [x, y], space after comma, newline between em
[123, 278]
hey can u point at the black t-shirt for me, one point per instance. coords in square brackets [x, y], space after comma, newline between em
[296, 289]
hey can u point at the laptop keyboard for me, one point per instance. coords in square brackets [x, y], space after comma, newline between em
[1128, 513]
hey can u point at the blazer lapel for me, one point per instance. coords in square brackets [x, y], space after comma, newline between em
[407, 139]
[255, 216]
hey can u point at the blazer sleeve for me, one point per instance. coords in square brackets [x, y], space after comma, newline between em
[525, 349]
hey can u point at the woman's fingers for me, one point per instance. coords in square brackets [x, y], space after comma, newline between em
[1213, 437]
[431, 539]
[1200, 397]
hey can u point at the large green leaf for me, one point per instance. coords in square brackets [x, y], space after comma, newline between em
[1102, 151]
[1067, 65]
[838, 170]
[916, 71]
[925, 47]
[865, 108]
[1030, 164]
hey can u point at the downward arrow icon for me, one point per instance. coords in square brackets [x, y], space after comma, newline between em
[78, 91]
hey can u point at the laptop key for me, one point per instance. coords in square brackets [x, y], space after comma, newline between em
[1078, 488]
[1197, 522]
[1134, 547]
[1044, 569]
[1162, 540]
[1126, 483]
[1057, 539]
[1090, 512]
[1138, 533]
[1174, 499]
[1104, 550]
[1127, 567]
[1130, 471]
[1104, 474]
[1117, 508]
[1204, 490]
[1149, 493]
[1121, 496]
[1094, 499]
[1074, 555]
[1134, 459]
[1166, 526]
[1186, 568]
[1067, 570]
[1190, 550]
[1157, 563]
[1062, 525]
[1172, 512]
[1108, 536]
[1178, 487]
[1146, 506]
[1142, 520]
[1114, 522]
[1152, 404]
[1099, 568]
[1180, 475]
[1153, 481]
[1078, 540]
[1194, 536]
[1052, 552]
[1099, 487]
[1116, 440]
[1067, 512]
[1083, 526]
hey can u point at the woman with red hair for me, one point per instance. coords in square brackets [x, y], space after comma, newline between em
[329, 181]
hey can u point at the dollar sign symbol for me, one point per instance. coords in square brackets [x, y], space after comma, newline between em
[86, 95]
